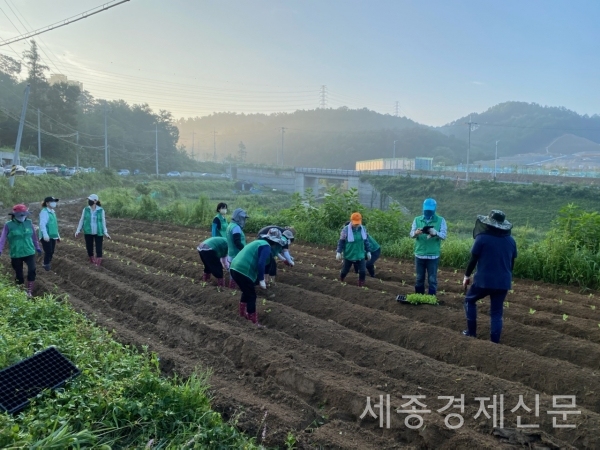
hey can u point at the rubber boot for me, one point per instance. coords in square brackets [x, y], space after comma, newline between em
[254, 319]
[232, 284]
[342, 278]
[495, 338]
[361, 283]
[371, 270]
[206, 276]
[46, 267]
[220, 282]
[420, 290]
[92, 260]
[471, 330]
[98, 262]
[431, 292]
[30, 285]
[242, 310]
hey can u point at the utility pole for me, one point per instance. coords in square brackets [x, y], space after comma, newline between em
[323, 103]
[394, 160]
[495, 160]
[77, 148]
[156, 144]
[105, 139]
[19, 136]
[193, 135]
[397, 108]
[214, 145]
[469, 149]
[282, 133]
[39, 137]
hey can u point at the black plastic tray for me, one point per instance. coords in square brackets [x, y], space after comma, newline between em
[22, 381]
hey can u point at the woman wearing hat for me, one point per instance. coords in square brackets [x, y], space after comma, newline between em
[219, 223]
[355, 247]
[213, 253]
[48, 232]
[93, 223]
[494, 253]
[248, 269]
[23, 241]
[236, 239]
[428, 230]
[288, 233]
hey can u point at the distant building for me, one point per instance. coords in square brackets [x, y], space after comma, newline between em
[56, 78]
[386, 164]
[423, 163]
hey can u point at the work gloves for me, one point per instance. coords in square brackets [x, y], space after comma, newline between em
[263, 284]
[338, 256]
[368, 256]
[466, 281]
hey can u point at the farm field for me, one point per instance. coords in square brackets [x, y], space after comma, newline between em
[328, 345]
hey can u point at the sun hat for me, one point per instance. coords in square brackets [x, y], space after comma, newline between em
[19, 210]
[356, 218]
[496, 219]
[274, 235]
[93, 197]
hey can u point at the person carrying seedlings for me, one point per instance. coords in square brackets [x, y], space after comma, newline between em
[354, 245]
[219, 223]
[248, 269]
[428, 231]
[288, 260]
[494, 252]
[213, 254]
[23, 241]
[93, 223]
[48, 232]
[236, 239]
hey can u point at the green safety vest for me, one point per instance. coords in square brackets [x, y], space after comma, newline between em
[87, 220]
[355, 251]
[223, 229]
[51, 226]
[373, 244]
[246, 261]
[20, 238]
[232, 249]
[218, 244]
[431, 246]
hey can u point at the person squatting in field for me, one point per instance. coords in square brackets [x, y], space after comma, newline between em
[219, 223]
[48, 231]
[93, 223]
[213, 254]
[236, 239]
[23, 241]
[288, 233]
[428, 230]
[248, 269]
[354, 246]
[494, 252]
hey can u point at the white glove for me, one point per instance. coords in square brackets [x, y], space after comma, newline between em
[291, 263]
[263, 285]
[368, 256]
[466, 281]
[338, 256]
[432, 232]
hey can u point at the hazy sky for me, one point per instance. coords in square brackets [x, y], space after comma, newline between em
[440, 59]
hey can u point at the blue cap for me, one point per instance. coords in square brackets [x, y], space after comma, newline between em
[429, 204]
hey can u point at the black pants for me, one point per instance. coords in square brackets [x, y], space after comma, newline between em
[89, 244]
[48, 250]
[17, 264]
[212, 263]
[271, 268]
[361, 265]
[246, 285]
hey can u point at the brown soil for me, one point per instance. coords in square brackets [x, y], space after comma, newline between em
[328, 345]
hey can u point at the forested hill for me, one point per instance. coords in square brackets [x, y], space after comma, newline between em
[333, 138]
[524, 128]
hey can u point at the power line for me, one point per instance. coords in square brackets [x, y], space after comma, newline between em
[83, 15]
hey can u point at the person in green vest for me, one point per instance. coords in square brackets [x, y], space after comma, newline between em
[354, 246]
[213, 252]
[48, 231]
[248, 269]
[23, 241]
[375, 253]
[236, 239]
[219, 223]
[428, 230]
[93, 223]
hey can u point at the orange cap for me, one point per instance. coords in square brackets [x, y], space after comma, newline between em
[356, 218]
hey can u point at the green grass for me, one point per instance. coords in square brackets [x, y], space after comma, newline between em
[120, 400]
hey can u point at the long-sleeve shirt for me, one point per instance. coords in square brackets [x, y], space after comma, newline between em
[441, 234]
[263, 256]
[44, 223]
[344, 238]
[34, 238]
[94, 222]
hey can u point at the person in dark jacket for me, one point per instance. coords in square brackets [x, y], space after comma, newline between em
[494, 253]
[23, 241]
[219, 223]
[288, 233]
[248, 269]
[354, 246]
[213, 252]
[236, 239]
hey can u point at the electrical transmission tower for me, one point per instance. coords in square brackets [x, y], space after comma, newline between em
[323, 103]
[397, 109]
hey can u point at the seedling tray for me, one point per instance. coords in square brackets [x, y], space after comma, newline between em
[22, 381]
[402, 299]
